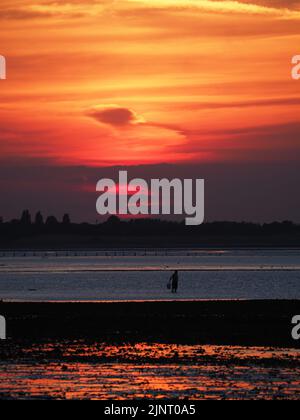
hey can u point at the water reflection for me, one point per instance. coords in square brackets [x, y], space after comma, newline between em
[77, 370]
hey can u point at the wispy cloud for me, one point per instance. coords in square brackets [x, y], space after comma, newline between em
[67, 10]
[225, 6]
[25, 9]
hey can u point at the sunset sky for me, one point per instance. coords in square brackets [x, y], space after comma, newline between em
[196, 83]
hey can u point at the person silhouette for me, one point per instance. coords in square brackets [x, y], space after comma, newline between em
[175, 280]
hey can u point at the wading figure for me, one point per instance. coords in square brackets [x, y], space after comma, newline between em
[175, 279]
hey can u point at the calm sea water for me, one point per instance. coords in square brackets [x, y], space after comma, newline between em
[143, 275]
[83, 370]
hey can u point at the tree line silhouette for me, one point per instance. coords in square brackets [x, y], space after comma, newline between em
[38, 225]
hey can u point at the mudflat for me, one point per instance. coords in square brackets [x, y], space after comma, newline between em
[249, 323]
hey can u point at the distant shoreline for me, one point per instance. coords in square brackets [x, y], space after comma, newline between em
[111, 243]
[150, 270]
[128, 247]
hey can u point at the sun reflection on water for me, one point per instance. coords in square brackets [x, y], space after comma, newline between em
[78, 370]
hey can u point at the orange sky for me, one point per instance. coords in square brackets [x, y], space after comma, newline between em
[131, 81]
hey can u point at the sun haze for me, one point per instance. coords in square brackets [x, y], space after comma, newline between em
[172, 81]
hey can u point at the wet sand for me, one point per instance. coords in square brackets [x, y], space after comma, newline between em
[86, 370]
[246, 323]
[150, 350]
